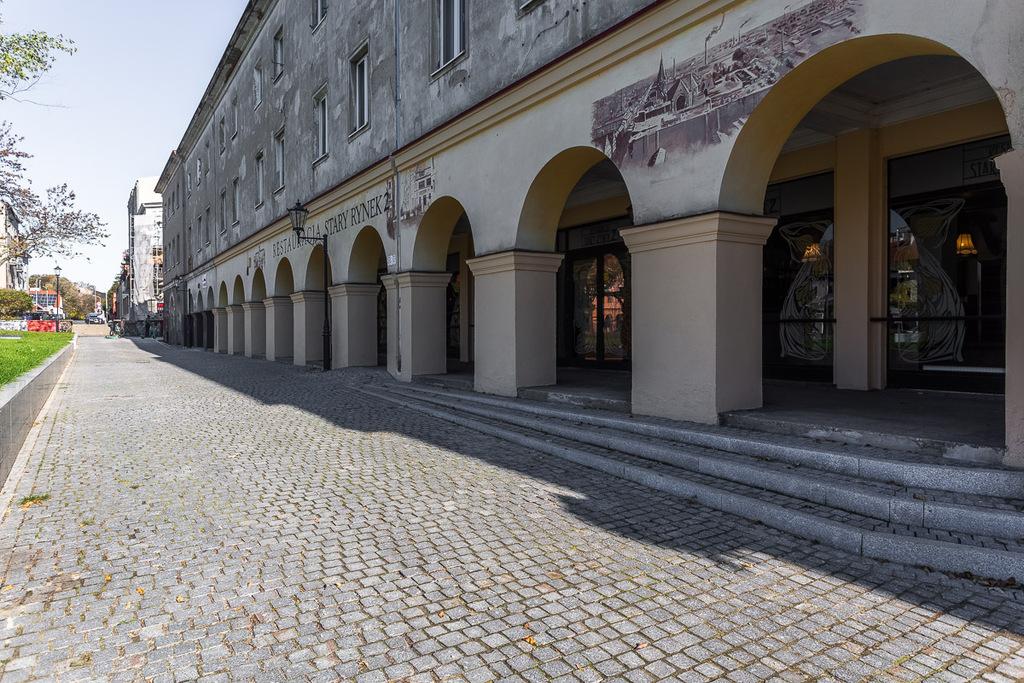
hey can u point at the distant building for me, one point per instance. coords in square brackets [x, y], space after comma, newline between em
[12, 274]
[43, 298]
[142, 279]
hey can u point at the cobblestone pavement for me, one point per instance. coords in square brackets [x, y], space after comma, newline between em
[218, 518]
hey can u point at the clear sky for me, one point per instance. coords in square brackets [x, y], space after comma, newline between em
[116, 108]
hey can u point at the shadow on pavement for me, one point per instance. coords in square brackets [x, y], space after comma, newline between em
[617, 506]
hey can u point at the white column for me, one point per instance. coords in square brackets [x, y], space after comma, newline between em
[255, 329]
[220, 330]
[1011, 169]
[696, 324]
[514, 320]
[279, 328]
[416, 324]
[236, 330]
[308, 312]
[354, 325]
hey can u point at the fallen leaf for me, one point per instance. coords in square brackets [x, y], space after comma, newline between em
[106, 578]
[440, 614]
[530, 640]
[640, 646]
[180, 598]
[140, 590]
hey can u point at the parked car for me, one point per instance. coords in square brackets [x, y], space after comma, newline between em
[95, 319]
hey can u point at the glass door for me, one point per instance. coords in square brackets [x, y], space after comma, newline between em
[599, 296]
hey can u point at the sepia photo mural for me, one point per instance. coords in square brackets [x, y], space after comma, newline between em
[698, 100]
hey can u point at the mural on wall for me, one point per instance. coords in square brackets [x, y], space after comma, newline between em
[417, 191]
[705, 98]
[810, 297]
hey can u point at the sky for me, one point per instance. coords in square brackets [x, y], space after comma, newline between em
[113, 111]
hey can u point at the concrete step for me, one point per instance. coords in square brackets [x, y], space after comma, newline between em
[979, 556]
[939, 510]
[952, 450]
[915, 471]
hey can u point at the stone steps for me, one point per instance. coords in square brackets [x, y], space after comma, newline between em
[947, 531]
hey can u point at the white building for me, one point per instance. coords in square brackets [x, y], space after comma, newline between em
[12, 272]
[145, 251]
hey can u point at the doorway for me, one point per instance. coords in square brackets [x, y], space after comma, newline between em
[597, 307]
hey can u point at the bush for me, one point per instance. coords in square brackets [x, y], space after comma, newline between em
[14, 304]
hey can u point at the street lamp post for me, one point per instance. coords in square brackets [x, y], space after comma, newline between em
[298, 215]
[56, 324]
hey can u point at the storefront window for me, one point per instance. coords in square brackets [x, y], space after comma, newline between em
[947, 269]
[798, 288]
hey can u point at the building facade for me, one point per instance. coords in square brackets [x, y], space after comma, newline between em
[702, 194]
[142, 281]
[12, 274]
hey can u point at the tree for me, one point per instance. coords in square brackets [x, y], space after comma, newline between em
[50, 224]
[14, 303]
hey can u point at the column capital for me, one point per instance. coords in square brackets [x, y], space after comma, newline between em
[505, 261]
[270, 302]
[219, 311]
[413, 278]
[309, 296]
[354, 289]
[718, 226]
[234, 308]
[253, 305]
[1011, 167]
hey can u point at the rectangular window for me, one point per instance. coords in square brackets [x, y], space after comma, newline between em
[360, 89]
[189, 244]
[188, 184]
[221, 134]
[278, 53]
[259, 178]
[319, 12]
[223, 211]
[279, 160]
[207, 223]
[450, 20]
[257, 85]
[199, 228]
[199, 171]
[234, 118]
[234, 201]
[320, 117]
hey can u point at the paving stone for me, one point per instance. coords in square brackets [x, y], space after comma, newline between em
[284, 525]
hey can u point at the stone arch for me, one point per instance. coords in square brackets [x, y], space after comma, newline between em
[365, 257]
[222, 295]
[315, 268]
[284, 281]
[199, 305]
[435, 232]
[767, 129]
[259, 286]
[238, 291]
[546, 198]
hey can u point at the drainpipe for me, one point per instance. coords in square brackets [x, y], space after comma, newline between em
[397, 199]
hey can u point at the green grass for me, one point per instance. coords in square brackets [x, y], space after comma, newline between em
[18, 357]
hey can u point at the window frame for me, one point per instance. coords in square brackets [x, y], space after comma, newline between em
[277, 62]
[359, 96]
[257, 85]
[222, 137]
[235, 193]
[320, 119]
[259, 169]
[439, 41]
[223, 212]
[319, 13]
[279, 151]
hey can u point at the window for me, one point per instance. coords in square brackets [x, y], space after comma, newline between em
[234, 118]
[207, 223]
[257, 85]
[189, 244]
[259, 178]
[319, 12]
[188, 185]
[360, 89]
[320, 116]
[278, 53]
[199, 171]
[199, 227]
[223, 211]
[450, 19]
[279, 160]
[234, 201]
[221, 134]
